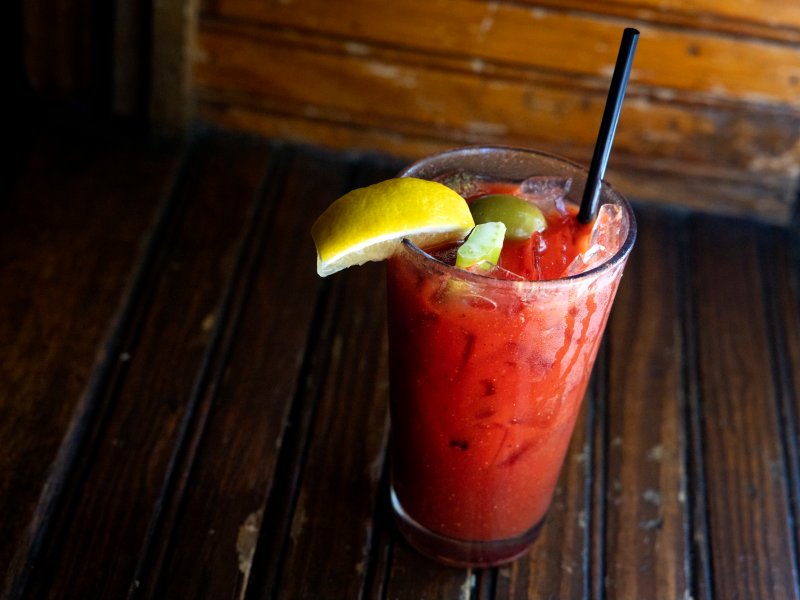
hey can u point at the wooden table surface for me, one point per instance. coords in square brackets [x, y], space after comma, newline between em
[188, 411]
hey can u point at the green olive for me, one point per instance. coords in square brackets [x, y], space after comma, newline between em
[520, 217]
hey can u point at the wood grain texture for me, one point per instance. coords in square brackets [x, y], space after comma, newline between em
[254, 414]
[780, 263]
[174, 26]
[648, 524]
[116, 487]
[346, 449]
[767, 19]
[55, 55]
[748, 493]
[231, 415]
[351, 414]
[131, 39]
[767, 197]
[412, 576]
[676, 59]
[70, 233]
[444, 98]
[731, 157]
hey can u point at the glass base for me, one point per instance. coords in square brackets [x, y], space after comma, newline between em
[461, 553]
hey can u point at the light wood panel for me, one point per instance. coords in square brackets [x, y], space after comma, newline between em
[767, 19]
[286, 84]
[585, 45]
[711, 121]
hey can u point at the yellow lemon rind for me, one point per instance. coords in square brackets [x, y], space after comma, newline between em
[368, 224]
[383, 247]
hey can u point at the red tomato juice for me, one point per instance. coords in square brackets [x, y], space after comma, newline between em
[487, 380]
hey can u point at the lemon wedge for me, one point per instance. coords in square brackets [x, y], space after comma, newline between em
[370, 223]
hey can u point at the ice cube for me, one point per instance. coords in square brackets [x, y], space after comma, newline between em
[588, 260]
[609, 230]
[548, 193]
[608, 235]
[489, 269]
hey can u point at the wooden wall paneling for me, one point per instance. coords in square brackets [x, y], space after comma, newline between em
[766, 196]
[728, 156]
[768, 19]
[67, 50]
[131, 53]
[445, 99]
[679, 59]
[50, 47]
[413, 76]
[341, 136]
[127, 59]
[174, 26]
[699, 77]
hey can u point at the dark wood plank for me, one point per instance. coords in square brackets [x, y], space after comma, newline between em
[697, 493]
[258, 413]
[336, 499]
[751, 542]
[780, 263]
[647, 521]
[117, 489]
[70, 234]
[412, 576]
[333, 515]
[228, 440]
[595, 564]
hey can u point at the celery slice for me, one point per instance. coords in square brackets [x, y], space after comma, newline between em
[483, 245]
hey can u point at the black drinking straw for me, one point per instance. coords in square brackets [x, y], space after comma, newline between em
[605, 137]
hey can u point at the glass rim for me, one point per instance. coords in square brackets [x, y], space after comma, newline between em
[606, 189]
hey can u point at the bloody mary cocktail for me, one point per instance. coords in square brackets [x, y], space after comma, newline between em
[488, 367]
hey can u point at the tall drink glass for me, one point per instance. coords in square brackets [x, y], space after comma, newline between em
[487, 377]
